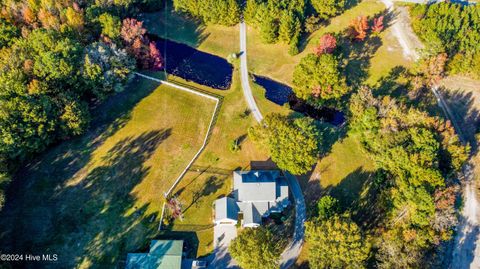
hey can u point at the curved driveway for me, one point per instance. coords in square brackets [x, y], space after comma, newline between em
[291, 253]
[247, 91]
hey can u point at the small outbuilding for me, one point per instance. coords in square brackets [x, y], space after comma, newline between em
[163, 254]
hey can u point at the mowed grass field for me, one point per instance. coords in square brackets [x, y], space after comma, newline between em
[96, 197]
[212, 173]
[342, 173]
[376, 56]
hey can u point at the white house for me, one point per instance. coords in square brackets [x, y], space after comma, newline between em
[256, 194]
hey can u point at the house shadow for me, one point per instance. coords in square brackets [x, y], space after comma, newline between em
[267, 164]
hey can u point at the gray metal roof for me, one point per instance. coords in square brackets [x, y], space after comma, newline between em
[251, 215]
[226, 208]
[282, 189]
[257, 194]
[250, 186]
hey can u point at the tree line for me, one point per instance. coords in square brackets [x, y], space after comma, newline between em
[453, 29]
[417, 157]
[278, 20]
[223, 12]
[57, 58]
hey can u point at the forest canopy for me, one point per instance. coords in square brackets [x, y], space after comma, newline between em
[57, 58]
[453, 29]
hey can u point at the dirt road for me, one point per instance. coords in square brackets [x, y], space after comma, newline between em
[466, 253]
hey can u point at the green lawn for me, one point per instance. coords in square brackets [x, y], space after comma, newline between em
[345, 173]
[341, 173]
[98, 196]
[214, 39]
[211, 175]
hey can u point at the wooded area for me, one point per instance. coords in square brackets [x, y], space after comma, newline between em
[56, 59]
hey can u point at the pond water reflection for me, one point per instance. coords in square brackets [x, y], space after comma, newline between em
[194, 65]
[281, 94]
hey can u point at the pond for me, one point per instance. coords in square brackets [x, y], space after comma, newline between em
[194, 65]
[281, 94]
[326, 114]
[274, 91]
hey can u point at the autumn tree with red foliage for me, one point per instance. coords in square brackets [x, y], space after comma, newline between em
[131, 30]
[175, 208]
[358, 28]
[138, 45]
[327, 44]
[433, 68]
[155, 57]
[377, 26]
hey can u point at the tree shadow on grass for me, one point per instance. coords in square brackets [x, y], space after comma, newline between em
[358, 56]
[95, 212]
[62, 161]
[355, 193]
[84, 221]
[389, 84]
[211, 186]
[177, 26]
[329, 135]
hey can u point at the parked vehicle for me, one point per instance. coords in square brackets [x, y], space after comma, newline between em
[199, 264]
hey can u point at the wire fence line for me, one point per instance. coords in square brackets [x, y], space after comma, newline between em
[218, 101]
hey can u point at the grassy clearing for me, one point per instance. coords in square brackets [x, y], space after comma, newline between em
[388, 56]
[96, 197]
[211, 175]
[345, 174]
[342, 172]
[214, 39]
